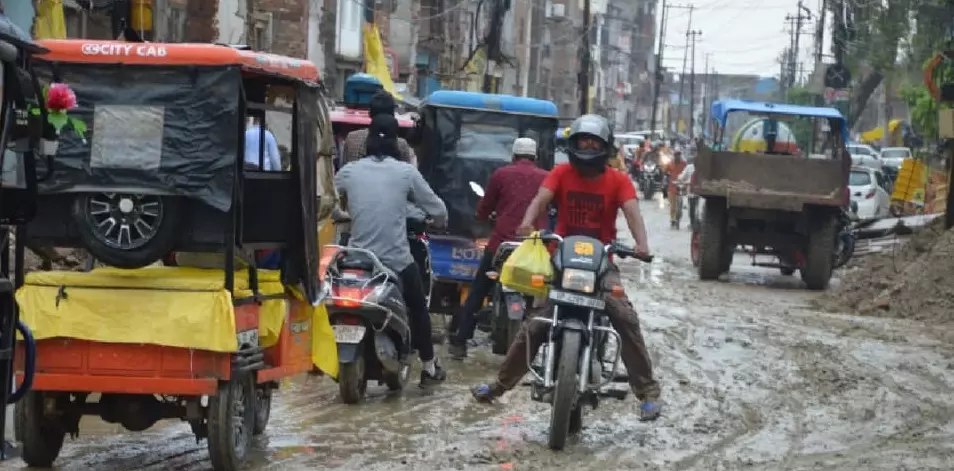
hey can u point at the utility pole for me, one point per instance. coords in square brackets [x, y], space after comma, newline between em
[797, 20]
[585, 61]
[692, 86]
[706, 97]
[682, 75]
[658, 72]
[492, 51]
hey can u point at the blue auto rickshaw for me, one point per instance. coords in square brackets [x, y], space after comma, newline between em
[465, 137]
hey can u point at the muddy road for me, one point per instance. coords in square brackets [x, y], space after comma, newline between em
[752, 378]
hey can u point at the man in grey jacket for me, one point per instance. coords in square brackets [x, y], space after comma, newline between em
[377, 190]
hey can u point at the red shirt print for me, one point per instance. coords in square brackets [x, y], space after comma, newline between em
[588, 206]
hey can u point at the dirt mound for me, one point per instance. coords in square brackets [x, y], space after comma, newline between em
[915, 281]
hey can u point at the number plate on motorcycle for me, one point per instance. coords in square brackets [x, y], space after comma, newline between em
[577, 299]
[348, 333]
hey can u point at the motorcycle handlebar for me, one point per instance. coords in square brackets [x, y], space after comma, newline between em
[626, 252]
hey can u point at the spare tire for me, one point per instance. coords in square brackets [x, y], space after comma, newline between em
[126, 230]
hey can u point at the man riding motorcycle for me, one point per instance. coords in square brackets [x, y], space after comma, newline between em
[589, 198]
[509, 192]
[378, 189]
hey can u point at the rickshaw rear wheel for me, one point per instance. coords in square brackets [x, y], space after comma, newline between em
[42, 438]
[126, 230]
[263, 407]
[231, 421]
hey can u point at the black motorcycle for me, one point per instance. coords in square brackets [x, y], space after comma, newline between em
[508, 306]
[651, 179]
[572, 357]
[368, 315]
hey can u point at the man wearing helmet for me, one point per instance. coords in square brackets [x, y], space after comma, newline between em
[588, 196]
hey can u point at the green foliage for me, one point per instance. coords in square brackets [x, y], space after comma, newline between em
[923, 110]
[801, 127]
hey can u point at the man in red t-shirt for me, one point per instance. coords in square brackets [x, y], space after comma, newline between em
[588, 195]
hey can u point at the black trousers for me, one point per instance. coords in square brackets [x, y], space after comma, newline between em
[479, 289]
[420, 320]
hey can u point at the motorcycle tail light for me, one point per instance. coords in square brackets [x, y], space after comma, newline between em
[349, 296]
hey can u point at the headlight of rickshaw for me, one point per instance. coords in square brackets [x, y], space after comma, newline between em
[578, 280]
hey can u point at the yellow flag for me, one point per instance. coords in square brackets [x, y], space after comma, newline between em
[50, 23]
[374, 61]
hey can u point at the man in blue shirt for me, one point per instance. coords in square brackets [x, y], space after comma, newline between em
[272, 160]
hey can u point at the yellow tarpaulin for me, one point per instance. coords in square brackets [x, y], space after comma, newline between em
[374, 61]
[873, 136]
[50, 22]
[170, 306]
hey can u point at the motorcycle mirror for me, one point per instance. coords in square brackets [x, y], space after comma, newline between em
[477, 189]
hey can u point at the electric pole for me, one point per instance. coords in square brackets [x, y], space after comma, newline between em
[797, 21]
[492, 50]
[658, 72]
[682, 75]
[585, 61]
[706, 99]
[692, 86]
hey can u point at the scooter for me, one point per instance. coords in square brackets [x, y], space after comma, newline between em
[368, 315]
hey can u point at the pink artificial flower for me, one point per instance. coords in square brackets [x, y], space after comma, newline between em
[60, 97]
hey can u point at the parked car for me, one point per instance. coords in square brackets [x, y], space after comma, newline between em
[871, 191]
[891, 159]
[863, 155]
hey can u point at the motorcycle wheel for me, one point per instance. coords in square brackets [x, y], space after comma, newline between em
[500, 331]
[397, 381]
[649, 191]
[564, 392]
[351, 381]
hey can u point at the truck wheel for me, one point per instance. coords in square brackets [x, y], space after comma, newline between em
[231, 421]
[819, 256]
[126, 230]
[712, 241]
[42, 438]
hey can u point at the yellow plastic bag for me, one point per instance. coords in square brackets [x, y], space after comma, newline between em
[529, 259]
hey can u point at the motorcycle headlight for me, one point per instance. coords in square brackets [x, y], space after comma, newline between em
[578, 280]
[650, 167]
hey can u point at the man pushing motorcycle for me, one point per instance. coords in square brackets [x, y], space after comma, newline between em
[589, 196]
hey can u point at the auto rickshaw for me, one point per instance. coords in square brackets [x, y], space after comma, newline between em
[161, 169]
[465, 137]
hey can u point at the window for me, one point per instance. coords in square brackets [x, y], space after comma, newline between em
[262, 32]
[485, 140]
[859, 178]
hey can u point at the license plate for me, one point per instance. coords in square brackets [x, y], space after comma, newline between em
[515, 306]
[348, 333]
[577, 299]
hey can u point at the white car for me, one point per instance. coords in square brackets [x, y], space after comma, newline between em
[869, 189]
[863, 155]
[894, 156]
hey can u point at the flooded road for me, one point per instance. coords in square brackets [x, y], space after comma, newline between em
[752, 379]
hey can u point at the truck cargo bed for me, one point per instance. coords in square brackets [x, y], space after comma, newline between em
[764, 181]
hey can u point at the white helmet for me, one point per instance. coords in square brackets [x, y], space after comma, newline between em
[525, 146]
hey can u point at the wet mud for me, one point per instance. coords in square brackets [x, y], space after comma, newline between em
[754, 377]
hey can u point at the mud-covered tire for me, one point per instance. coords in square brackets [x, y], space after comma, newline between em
[564, 391]
[397, 381]
[819, 253]
[352, 385]
[263, 408]
[42, 438]
[712, 242]
[231, 421]
[499, 341]
[146, 250]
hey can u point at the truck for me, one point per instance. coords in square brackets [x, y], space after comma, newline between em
[780, 203]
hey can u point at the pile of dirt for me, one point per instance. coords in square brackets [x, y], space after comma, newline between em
[914, 281]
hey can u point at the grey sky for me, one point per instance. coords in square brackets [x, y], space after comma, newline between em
[742, 36]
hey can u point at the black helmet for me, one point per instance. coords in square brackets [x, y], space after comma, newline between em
[594, 126]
